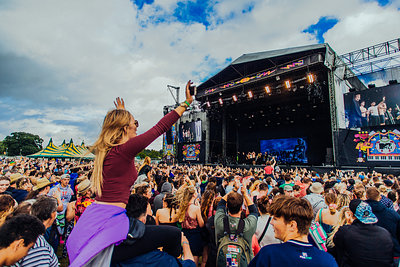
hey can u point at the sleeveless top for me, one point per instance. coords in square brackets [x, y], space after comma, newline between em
[189, 222]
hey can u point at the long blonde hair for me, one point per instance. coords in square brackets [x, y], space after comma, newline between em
[341, 221]
[111, 134]
[146, 161]
[182, 198]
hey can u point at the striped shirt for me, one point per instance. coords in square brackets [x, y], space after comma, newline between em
[41, 254]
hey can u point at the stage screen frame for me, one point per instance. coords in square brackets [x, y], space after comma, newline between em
[288, 145]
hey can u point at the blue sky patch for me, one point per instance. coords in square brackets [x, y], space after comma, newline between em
[140, 3]
[380, 2]
[193, 12]
[322, 26]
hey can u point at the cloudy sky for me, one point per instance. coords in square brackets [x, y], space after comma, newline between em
[62, 63]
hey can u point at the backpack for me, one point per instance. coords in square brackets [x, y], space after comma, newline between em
[233, 249]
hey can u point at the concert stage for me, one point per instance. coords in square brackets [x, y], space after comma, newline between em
[283, 99]
[299, 105]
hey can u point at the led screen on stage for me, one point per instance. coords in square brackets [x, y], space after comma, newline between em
[190, 132]
[287, 150]
[373, 107]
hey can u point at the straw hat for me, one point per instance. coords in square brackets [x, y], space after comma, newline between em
[15, 177]
[317, 188]
[40, 183]
[83, 187]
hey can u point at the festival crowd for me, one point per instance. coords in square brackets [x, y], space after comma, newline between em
[118, 212]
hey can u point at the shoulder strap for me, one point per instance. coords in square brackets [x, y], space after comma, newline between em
[265, 230]
[227, 231]
[240, 227]
[320, 217]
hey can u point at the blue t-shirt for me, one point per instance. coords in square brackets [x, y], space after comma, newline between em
[292, 253]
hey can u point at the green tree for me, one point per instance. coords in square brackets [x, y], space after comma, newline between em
[153, 154]
[2, 148]
[20, 143]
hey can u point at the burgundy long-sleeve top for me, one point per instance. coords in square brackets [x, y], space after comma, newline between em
[119, 172]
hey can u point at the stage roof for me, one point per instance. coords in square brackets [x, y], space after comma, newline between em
[255, 62]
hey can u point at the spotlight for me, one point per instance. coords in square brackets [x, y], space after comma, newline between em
[267, 89]
[208, 104]
[250, 94]
[234, 97]
[220, 101]
[287, 84]
[310, 78]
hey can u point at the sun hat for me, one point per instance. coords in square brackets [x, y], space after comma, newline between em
[15, 177]
[287, 188]
[362, 211]
[40, 183]
[316, 188]
[83, 187]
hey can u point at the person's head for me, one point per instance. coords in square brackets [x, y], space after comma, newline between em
[362, 103]
[168, 201]
[373, 104]
[24, 184]
[137, 207]
[143, 189]
[362, 211]
[234, 203]
[207, 200]
[4, 183]
[84, 188]
[296, 190]
[330, 200]
[118, 125]
[17, 236]
[373, 194]
[263, 204]
[342, 201]
[45, 209]
[288, 191]
[7, 204]
[357, 97]
[147, 161]
[64, 180]
[291, 217]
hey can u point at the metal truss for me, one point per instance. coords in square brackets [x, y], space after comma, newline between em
[375, 58]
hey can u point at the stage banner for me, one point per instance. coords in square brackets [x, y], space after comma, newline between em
[191, 153]
[373, 147]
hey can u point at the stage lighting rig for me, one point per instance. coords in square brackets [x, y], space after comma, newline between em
[220, 101]
[288, 84]
[234, 98]
[250, 94]
[267, 89]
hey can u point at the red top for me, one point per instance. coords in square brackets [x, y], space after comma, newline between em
[119, 172]
[268, 169]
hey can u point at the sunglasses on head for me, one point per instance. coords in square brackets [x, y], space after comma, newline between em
[136, 123]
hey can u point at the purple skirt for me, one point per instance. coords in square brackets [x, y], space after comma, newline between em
[99, 227]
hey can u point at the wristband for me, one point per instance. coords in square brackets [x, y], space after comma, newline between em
[187, 103]
[185, 242]
[184, 105]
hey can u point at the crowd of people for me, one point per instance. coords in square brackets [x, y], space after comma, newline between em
[119, 212]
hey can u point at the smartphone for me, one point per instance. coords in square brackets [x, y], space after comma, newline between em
[193, 90]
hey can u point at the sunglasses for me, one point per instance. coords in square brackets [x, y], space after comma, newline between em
[136, 123]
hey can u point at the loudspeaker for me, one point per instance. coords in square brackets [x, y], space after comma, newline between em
[168, 136]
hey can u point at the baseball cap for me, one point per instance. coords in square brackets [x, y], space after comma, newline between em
[65, 176]
[287, 188]
[362, 211]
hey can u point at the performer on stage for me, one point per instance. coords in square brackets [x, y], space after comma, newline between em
[373, 115]
[389, 117]
[382, 110]
[355, 112]
[364, 111]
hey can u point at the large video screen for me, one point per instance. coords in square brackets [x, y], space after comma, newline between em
[287, 150]
[373, 107]
[190, 132]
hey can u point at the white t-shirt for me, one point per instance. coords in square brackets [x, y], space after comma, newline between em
[373, 111]
[269, 237]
